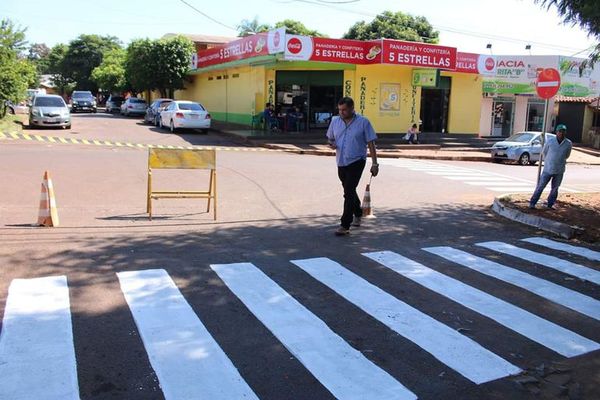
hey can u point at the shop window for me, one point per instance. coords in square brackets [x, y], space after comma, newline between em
[219, 77]
[235, 75]
[225, 76]
[210, 78]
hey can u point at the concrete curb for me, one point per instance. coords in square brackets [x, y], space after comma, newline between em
[558, 228]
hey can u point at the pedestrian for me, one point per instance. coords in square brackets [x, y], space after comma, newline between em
[350, 134]
[556, 152]
[270, 117]
[413, 134]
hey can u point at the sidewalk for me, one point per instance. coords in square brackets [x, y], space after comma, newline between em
[390, 146]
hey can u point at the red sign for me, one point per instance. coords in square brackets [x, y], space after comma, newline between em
[419, 54]
[471, 63]
[548, 83]
[306, 48]
[261, 44]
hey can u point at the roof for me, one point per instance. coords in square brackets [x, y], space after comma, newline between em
[198, 38]
[567, 99]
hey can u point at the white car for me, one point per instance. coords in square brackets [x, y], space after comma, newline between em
[185, 114]
[133, 106]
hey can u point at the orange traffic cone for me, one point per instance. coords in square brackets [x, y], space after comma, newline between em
[48, 215]
[366, 203]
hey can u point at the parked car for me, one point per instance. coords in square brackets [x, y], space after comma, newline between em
[83, 100]
[185, 114]
[133, 106]
[153, 112]
[113, 104]
[523, 147]
[13, 108]
[49, 110]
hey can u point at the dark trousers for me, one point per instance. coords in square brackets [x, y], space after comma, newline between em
[544, 180]
[350, 177]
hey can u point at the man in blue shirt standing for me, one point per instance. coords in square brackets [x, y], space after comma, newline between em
[556, 151]
[350, 134]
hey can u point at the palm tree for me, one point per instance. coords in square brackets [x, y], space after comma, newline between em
[251, 27]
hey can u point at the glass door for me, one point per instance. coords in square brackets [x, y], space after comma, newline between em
[502, 117]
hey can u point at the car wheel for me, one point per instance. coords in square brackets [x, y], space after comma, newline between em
[524, 159]
[496, 160]
[172, 127]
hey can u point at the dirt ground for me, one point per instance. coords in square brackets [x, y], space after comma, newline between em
[576, 209]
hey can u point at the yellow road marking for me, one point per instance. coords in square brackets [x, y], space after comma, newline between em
[50, 138]
[63, 140]
[39, 138]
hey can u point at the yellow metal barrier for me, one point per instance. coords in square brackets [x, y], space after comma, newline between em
[183, 159]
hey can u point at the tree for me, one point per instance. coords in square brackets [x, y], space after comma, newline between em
[158, 64]
[38, 54]
[110, 74]
[586, 14]
[396, 25]
[83, 55]
[12, 37]
[251, 27]
[297, 28]
[56, 67]
[17, 73]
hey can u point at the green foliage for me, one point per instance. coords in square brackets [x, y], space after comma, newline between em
[586, 14]
[158, 64]
[17, 72]
[110, 74]
[12, 37]
[251, 27]
[56, 67]
[83, 55]
[298, 28]
[396, 25]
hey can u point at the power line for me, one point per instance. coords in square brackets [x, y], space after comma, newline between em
[207, 16]
[446, 29]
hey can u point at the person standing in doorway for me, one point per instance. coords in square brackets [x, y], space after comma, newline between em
[350, 134]
[556, 152]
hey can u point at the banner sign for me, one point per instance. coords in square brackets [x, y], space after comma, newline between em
[305, 48]
[419, 54]
[262, 44]
[425, 77]
[472, 63]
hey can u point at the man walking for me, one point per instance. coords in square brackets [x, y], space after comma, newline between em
[350, 134]
[556, 151]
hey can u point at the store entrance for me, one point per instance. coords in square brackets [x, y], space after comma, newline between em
[435, 103]
[307, 100]
[502, 117]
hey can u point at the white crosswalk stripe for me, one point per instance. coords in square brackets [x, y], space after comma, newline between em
[37, 348]
[469, 176]
[569, 298]
[187, 360]
[552, 244]
[545, 260]
[447, 345]
[343, 370]
[544, 332]
[37, 355]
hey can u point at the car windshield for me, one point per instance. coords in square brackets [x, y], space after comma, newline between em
[116, 99]
[164, 104]
[49, 102]
[137, 101]
[191, 107]
[521, 137]
[82, 95]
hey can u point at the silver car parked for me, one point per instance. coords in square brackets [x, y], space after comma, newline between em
[522, 147]
[49, 110]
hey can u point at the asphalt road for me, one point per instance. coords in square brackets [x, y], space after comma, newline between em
[184, 315]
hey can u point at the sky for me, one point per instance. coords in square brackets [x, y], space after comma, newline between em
[468, 25]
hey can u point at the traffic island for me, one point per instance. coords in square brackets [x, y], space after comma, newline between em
[577, 215]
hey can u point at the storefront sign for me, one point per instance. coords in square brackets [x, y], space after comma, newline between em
[348, 88]
[518, 75]
[362, 103]
[262, 44]
[419, 54]
[425, 77]
[305, 48]
[472, 63]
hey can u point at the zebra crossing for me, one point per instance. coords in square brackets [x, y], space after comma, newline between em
[37, 350]
[489, 180]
